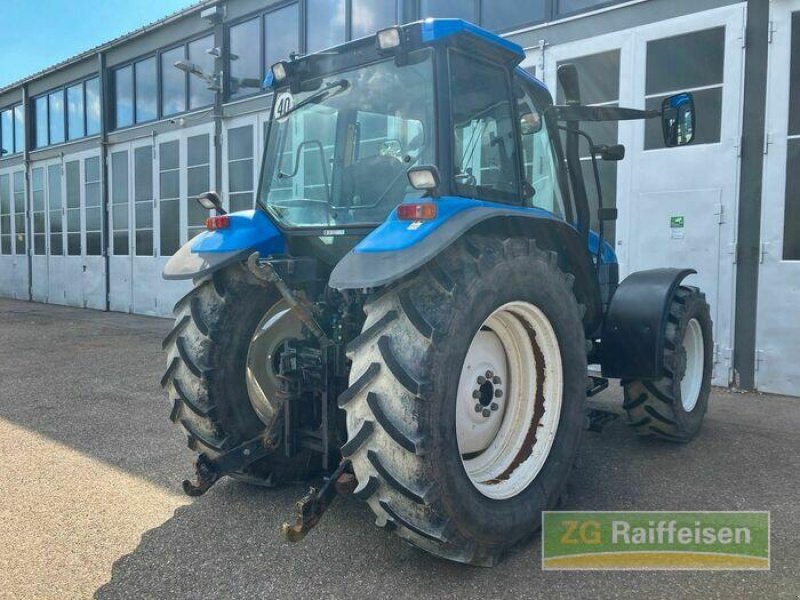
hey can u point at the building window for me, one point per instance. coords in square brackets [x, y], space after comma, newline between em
[169, 197]
[245, 56]
[282, 31]
[240, 168]
[12, 131]
[55, 106]
[93, 232]
[66, 114]
[369, 16]
[145, 86]
[6, 132]
[258, 43]
[55, 205]
[119, 203]
[173, 82]
[143, 199]
[92, 104]
[73, 181]
[123, 97]
[5, 214]
[325, 24]
[40, 121]
[704, 78]
[76, 126]
[39, 211]
[198, 181]
[19, 213]
[136, 93]
[199, 94]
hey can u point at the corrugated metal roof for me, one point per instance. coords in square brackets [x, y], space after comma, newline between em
[197, 6]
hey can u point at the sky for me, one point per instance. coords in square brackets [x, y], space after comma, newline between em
[39, 33]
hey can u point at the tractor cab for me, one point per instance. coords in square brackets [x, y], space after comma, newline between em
[431, 109]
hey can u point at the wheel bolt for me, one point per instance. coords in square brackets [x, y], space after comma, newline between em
[481, 380]
[478, 407]
[496, 380]
[498, 393]
[476, 394]
[486, 412]
[489, 375]
[495, 406]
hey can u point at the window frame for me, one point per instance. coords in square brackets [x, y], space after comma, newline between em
[261, 15]
[512, 198]
[63, 90]
[157, 54]
[11, 108]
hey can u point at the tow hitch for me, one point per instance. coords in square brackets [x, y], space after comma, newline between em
[313, 505]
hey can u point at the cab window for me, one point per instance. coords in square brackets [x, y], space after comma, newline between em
[485, 160]
[540, 176]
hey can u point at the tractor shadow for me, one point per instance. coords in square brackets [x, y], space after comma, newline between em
[227, 543]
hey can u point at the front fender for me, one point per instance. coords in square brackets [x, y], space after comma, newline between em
[248, 231]
[397, 248]
[632, 340]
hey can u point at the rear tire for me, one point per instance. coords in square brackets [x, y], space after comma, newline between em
[205, 376]
[673, 407]
[402, 404]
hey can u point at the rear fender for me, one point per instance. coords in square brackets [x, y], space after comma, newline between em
[398, 248]
[248, 231]
[632, 342]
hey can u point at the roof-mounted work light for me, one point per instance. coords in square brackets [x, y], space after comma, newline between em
[280, 71]
[389, 39]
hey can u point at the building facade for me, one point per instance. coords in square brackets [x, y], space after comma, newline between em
[102, 155]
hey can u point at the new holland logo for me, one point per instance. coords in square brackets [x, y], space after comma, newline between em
[655, 540]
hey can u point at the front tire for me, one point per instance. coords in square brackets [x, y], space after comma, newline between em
[673, 408]
[439, 490]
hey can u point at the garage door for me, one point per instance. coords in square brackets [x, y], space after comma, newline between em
[674, 210]
[778, 321]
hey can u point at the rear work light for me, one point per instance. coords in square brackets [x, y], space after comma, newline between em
[218, 222]
[417, 212]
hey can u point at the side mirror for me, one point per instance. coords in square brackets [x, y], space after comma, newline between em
[530, 123]
[211, 201]
[678, 120]
[613, 153]
[425, 178]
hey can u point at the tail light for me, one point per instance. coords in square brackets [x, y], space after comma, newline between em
[218, 222]
[426, 211]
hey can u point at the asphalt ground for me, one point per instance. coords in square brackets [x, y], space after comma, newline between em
[90, 498]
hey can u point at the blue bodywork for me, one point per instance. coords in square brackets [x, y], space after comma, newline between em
[249, 229]
[395, 235]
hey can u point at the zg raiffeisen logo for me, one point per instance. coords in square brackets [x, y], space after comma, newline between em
[655, 540]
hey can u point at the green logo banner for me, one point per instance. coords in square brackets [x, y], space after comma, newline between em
[655, 540]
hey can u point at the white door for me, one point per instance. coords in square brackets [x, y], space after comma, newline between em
[13, 235]
[778, 321]
[40, 271]
[684, 201]
[674, 211]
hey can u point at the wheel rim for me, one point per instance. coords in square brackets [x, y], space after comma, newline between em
[693, 377]
[513, 372]
[278, 325]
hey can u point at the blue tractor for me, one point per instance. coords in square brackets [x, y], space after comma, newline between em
[410, 311]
